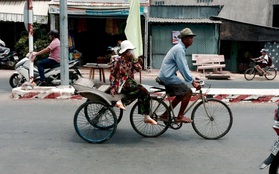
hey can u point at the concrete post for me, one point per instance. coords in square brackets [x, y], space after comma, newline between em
[64, 49]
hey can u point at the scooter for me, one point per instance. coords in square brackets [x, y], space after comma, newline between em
[52, 74]
[9, 60]
[273, 159]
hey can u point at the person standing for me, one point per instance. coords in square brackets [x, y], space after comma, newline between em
[54, 55]
[175, 60]
[122, 81]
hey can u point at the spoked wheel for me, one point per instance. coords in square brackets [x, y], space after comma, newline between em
[147, 130]
[118, 112]
[95, 122]
[271, 73]
[212, 120]
[249, 74]
[16, 80]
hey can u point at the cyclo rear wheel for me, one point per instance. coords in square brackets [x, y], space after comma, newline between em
[157, 108]
[212, 119]
[271, 73]
[95, 122]
[250, 73]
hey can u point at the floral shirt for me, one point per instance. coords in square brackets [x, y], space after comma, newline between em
[120, 69]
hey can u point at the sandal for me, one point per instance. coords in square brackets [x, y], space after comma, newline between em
[183, 120]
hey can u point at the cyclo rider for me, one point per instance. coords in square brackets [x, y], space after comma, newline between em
[262, 61]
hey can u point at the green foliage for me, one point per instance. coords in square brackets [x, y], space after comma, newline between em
[40, 38]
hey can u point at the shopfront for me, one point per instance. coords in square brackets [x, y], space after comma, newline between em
[94, 25]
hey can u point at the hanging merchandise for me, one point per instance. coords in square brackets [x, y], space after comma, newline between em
[82, 25]
[109, 26]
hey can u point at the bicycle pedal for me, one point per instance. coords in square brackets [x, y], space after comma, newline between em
[175, 125]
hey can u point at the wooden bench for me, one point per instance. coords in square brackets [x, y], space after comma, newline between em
[214, 62]
[194, 57]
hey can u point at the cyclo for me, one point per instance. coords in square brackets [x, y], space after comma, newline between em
[95, 121]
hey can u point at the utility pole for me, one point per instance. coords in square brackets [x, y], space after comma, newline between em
[30, 37]
[64, 48]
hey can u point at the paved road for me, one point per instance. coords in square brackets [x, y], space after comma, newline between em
[38, 137]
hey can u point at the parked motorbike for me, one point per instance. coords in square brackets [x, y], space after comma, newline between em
[52, 74]
[273, 159]
[9, 60]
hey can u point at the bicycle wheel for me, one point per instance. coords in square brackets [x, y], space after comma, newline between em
[212, 119]
[118, 112]
[95, 122]
[250, 73]
[271, 73]
[158, 107]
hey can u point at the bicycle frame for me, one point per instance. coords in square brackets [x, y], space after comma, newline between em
[171, 110]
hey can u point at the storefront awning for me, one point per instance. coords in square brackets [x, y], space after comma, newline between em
[93, 9]
[13, 11]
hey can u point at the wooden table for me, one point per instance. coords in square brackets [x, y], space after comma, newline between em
[96, 66]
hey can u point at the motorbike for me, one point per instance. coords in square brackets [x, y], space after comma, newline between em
[273, 159]
[52, 74]
[9, 60]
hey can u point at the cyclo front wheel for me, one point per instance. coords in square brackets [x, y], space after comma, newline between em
[157, 108]
[212, 119]
[95, 122]
[250, 73]
[270, 73]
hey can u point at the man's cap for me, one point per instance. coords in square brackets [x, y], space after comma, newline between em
[263, 50]
[186, 32]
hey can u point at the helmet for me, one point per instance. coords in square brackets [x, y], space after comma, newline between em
[126, 45]
[54, 33]
[263, 50]
[2, 43]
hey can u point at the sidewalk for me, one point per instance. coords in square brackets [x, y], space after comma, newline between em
[225, 94]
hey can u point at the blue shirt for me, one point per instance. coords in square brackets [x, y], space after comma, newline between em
[174, 61]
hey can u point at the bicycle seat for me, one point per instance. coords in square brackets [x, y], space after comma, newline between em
[159, 81]
[167, 89]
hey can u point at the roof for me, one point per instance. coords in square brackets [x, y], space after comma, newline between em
[14, 11]
[175, 20]
[241, 31]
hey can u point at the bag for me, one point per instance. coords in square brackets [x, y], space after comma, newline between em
[269, 63]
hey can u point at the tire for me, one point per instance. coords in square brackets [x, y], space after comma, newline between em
[250, 73]
[118, 112]
[16, 81]
[215, 125]
[11, 64]
[148, 130]
[271, 73]
[95, 122]
[274, 166]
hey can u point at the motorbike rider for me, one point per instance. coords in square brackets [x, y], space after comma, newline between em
[54, 55]
[262, 61]
[3, 49]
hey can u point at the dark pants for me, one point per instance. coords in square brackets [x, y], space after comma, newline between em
[45, 63]
[133, 91]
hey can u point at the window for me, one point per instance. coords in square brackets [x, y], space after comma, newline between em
[275, 22]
